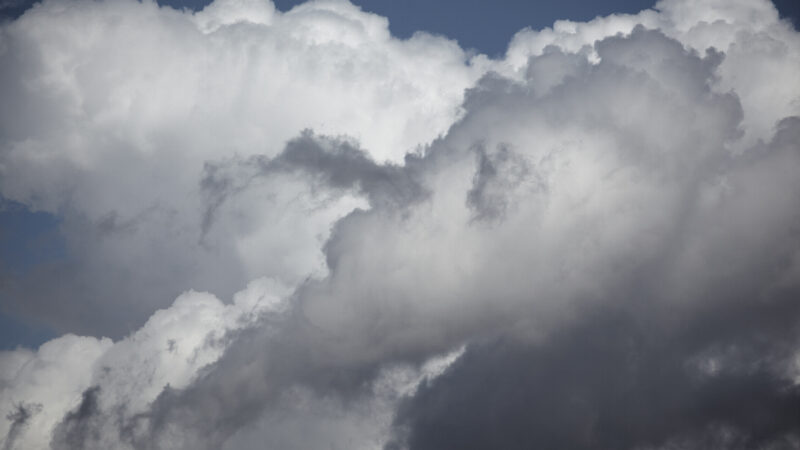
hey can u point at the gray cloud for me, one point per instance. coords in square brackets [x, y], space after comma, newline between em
[681, 300]
[19, 418]
[607, 226]
[621, 379]
[79, 427]
[496, 177]
[371, 319]
[328, 164]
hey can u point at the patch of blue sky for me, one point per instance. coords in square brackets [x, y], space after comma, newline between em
[488, 25]
[27, 240]
[482, 25]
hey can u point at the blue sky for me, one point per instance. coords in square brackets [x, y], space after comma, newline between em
[484, 25]
[487, 25]
[26, 239]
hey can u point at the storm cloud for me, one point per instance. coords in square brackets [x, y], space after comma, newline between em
[593, 242]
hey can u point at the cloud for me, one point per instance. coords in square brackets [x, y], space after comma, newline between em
[113, 109]
[81, 384]
[19, 418]
[605, 220]
[613, 381]
[326, 164]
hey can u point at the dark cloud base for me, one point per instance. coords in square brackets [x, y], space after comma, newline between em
[710, 381]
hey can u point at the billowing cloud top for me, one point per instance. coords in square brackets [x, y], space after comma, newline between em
[593, 242]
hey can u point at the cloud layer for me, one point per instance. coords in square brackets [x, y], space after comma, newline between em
[591, 243]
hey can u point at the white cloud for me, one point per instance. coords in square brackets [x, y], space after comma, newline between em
[112, 109]
[171, 349]
[757, 47]
[53, 377]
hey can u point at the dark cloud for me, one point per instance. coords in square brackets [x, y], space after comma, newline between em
[19, 418]
[712, 366]
[79, 428]
[326, 163]
[497, 175]
[226, 397]
[614, 380]
[255, 375]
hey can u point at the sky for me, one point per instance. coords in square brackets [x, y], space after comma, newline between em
[486, 26]
[243, 224]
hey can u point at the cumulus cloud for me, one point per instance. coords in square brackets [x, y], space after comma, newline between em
[605, 222]
[72, 379]
[614, 381]
[113, 109]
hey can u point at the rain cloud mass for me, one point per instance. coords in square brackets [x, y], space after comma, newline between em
[294, 230]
